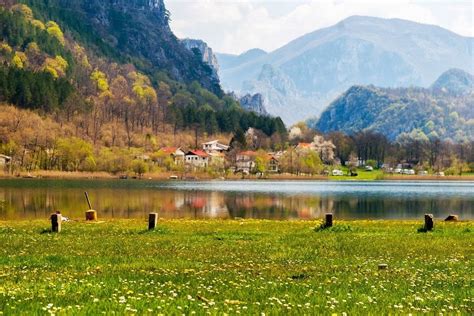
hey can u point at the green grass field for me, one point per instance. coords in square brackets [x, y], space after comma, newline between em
[377, 174]
[236, 267]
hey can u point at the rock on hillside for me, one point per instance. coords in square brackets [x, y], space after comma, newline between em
[205, 52]
[253, 103]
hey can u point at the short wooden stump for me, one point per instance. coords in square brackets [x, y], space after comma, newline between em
[383, 266]
[152, 219]
[91, 215]
[56, 220]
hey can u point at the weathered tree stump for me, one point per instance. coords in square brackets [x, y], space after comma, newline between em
[56, 220]
[91, 215]
[152, 220]
[452, 218]
[429, 222]
[328, 220]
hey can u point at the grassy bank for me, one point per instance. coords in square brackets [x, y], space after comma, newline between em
[162, 176]
[245, 267]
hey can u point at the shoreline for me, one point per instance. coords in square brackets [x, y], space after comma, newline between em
[58, 175]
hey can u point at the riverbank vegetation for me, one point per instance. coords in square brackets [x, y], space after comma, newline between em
[242, 266]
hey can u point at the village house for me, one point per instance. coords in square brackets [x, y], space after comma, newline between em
[245, 161]
[197, 159]
[175, 153]
[214, 147]
[4, 161]
[273, 164]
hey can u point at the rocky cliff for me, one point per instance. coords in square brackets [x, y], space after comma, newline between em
[205, 52]
[253, 103]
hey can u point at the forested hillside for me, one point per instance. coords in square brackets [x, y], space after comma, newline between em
[102, 91]
[444, 111]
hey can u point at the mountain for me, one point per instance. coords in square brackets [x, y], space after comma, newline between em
[205, 52]
[403, 111]
[229, 61]
[455, 81]
[117, 78]
[319, 66]
[253, 103]
[134, 31]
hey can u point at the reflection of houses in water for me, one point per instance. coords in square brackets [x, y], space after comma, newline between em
[123, 202]
[278, 206]
[206, 204]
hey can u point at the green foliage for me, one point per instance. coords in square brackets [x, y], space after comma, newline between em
[33, 90]
[310, 162]
[75, 154]
[398, 113]
[139, 167]
[19, 32]
[114, 160]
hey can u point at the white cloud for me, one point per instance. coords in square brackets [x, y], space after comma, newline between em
[234, 26]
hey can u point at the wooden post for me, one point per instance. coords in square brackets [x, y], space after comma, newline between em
[429, 222]
[328, 222]
[91, 215]
[88, 201]
[56, 220]
[152, 219]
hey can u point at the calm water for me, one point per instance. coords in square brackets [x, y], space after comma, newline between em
[30, 199]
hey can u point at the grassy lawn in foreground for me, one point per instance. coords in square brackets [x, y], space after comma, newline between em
[246, 267]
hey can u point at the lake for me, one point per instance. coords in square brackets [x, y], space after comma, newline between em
[280, 200]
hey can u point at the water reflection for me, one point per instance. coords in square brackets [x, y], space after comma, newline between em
[277, 200]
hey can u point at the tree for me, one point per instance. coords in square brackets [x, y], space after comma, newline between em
[261, 162]
[74, 154]
[239, 140]
[139, 167]
[54, 30]
[310, 162]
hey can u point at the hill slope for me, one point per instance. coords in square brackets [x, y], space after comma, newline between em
[356, 51]
[103, 88]
[394, 112]
[134, 31]
[455, 81]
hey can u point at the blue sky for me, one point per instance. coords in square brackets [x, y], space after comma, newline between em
[234, 26]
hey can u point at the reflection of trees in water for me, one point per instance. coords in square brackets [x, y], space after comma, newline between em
[40, 202]
[275, 206]
[377, 207]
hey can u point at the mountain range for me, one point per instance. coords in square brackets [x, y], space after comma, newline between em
[301, 78]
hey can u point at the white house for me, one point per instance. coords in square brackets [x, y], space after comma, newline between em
[245, 161]
[4, 160]
[214, 147]
[174, 152]
[197, 158]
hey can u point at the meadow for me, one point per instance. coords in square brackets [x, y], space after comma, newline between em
[236, 267]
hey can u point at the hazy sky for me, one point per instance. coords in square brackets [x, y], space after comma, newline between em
[234, 26]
